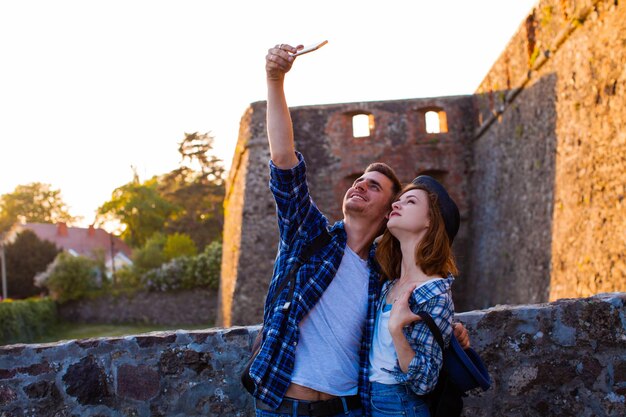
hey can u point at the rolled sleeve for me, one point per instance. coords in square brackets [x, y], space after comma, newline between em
[423, 371]
[284, 177]
[424, 368]
[294, 206]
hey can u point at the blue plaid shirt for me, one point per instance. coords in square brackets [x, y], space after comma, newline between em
[435, 298]
[299, 222]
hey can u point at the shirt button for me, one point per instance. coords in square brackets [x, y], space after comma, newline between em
[294, 343]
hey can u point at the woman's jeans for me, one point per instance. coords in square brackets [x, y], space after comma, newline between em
[396, 400]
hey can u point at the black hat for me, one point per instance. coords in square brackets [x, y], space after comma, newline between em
[447, 206]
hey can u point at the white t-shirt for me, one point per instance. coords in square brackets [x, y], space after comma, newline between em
[327, 355]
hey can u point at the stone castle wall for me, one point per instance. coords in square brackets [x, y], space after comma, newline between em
[536, 159]
[549, 159]
[334, 160]
[565, 358]
[196, 306]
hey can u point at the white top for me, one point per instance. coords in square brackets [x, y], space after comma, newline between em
[327, 355]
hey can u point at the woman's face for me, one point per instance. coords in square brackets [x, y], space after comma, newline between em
[409, 214]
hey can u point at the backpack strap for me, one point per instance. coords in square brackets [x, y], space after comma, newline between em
[318, 243]
[426, 318]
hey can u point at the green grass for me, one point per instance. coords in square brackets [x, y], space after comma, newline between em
[69, 331]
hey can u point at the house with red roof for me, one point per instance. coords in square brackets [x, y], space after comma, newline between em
[79, 241]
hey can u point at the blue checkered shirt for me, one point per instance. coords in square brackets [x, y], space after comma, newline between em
[299, 222]
[435, 298]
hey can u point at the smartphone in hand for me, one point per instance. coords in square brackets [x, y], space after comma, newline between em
[310, 48]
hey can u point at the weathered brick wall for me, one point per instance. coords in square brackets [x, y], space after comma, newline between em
[549, 160]
[169, 308]
[334, 159]
[566, 358]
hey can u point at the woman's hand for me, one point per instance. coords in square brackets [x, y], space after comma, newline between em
[401, 314]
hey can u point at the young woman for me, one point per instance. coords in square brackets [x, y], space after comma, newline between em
[417, 270]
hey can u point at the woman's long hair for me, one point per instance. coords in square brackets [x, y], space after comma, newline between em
[433, 254]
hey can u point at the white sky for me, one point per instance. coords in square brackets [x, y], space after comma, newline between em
[88, 88]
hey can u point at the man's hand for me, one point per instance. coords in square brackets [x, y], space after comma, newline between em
[461, 334]
[279, 61]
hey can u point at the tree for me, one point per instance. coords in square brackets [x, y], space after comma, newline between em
[140, 208]
[187, 200]
[197, 188]
[26, 256]
[36, 203]
[150, 255]
[177, 245]
[195, 148]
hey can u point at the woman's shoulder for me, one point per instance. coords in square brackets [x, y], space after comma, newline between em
[434, 287]
[434, 295]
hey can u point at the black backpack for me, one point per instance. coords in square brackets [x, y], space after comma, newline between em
[462, 371]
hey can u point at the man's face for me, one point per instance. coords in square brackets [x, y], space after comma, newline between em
[370, 196]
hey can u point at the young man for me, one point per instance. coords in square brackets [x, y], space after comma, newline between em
[313, 359]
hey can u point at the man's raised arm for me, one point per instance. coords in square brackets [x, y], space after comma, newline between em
[279, 126]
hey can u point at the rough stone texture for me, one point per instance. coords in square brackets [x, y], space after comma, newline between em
[512, 197]
[87, 382]
[334, 159]
[250, 235]
[137, 382]
[549, 171]
[566, 358]
[178, 374]
[171, 308]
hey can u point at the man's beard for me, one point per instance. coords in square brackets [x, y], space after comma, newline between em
[351, 208]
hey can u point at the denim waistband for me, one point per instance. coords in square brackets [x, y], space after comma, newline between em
[378, 388]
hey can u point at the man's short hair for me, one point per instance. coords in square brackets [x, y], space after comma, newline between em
[388, 172]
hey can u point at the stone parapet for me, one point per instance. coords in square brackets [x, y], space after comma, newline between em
[566, 358]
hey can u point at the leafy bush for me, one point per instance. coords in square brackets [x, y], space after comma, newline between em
[72, 277]
[201, 271]
[127, 277]
[23, 321]
[177, 245]
[205, 270]
[150, 256]
[168, 277]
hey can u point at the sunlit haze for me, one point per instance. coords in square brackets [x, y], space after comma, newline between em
[89, 89]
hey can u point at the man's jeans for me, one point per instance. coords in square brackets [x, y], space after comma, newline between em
[264, 413]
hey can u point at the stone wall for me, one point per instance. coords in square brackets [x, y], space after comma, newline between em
[168, 308]
[250, 236]
[549, 159]
[335, 158]
[566, 358]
